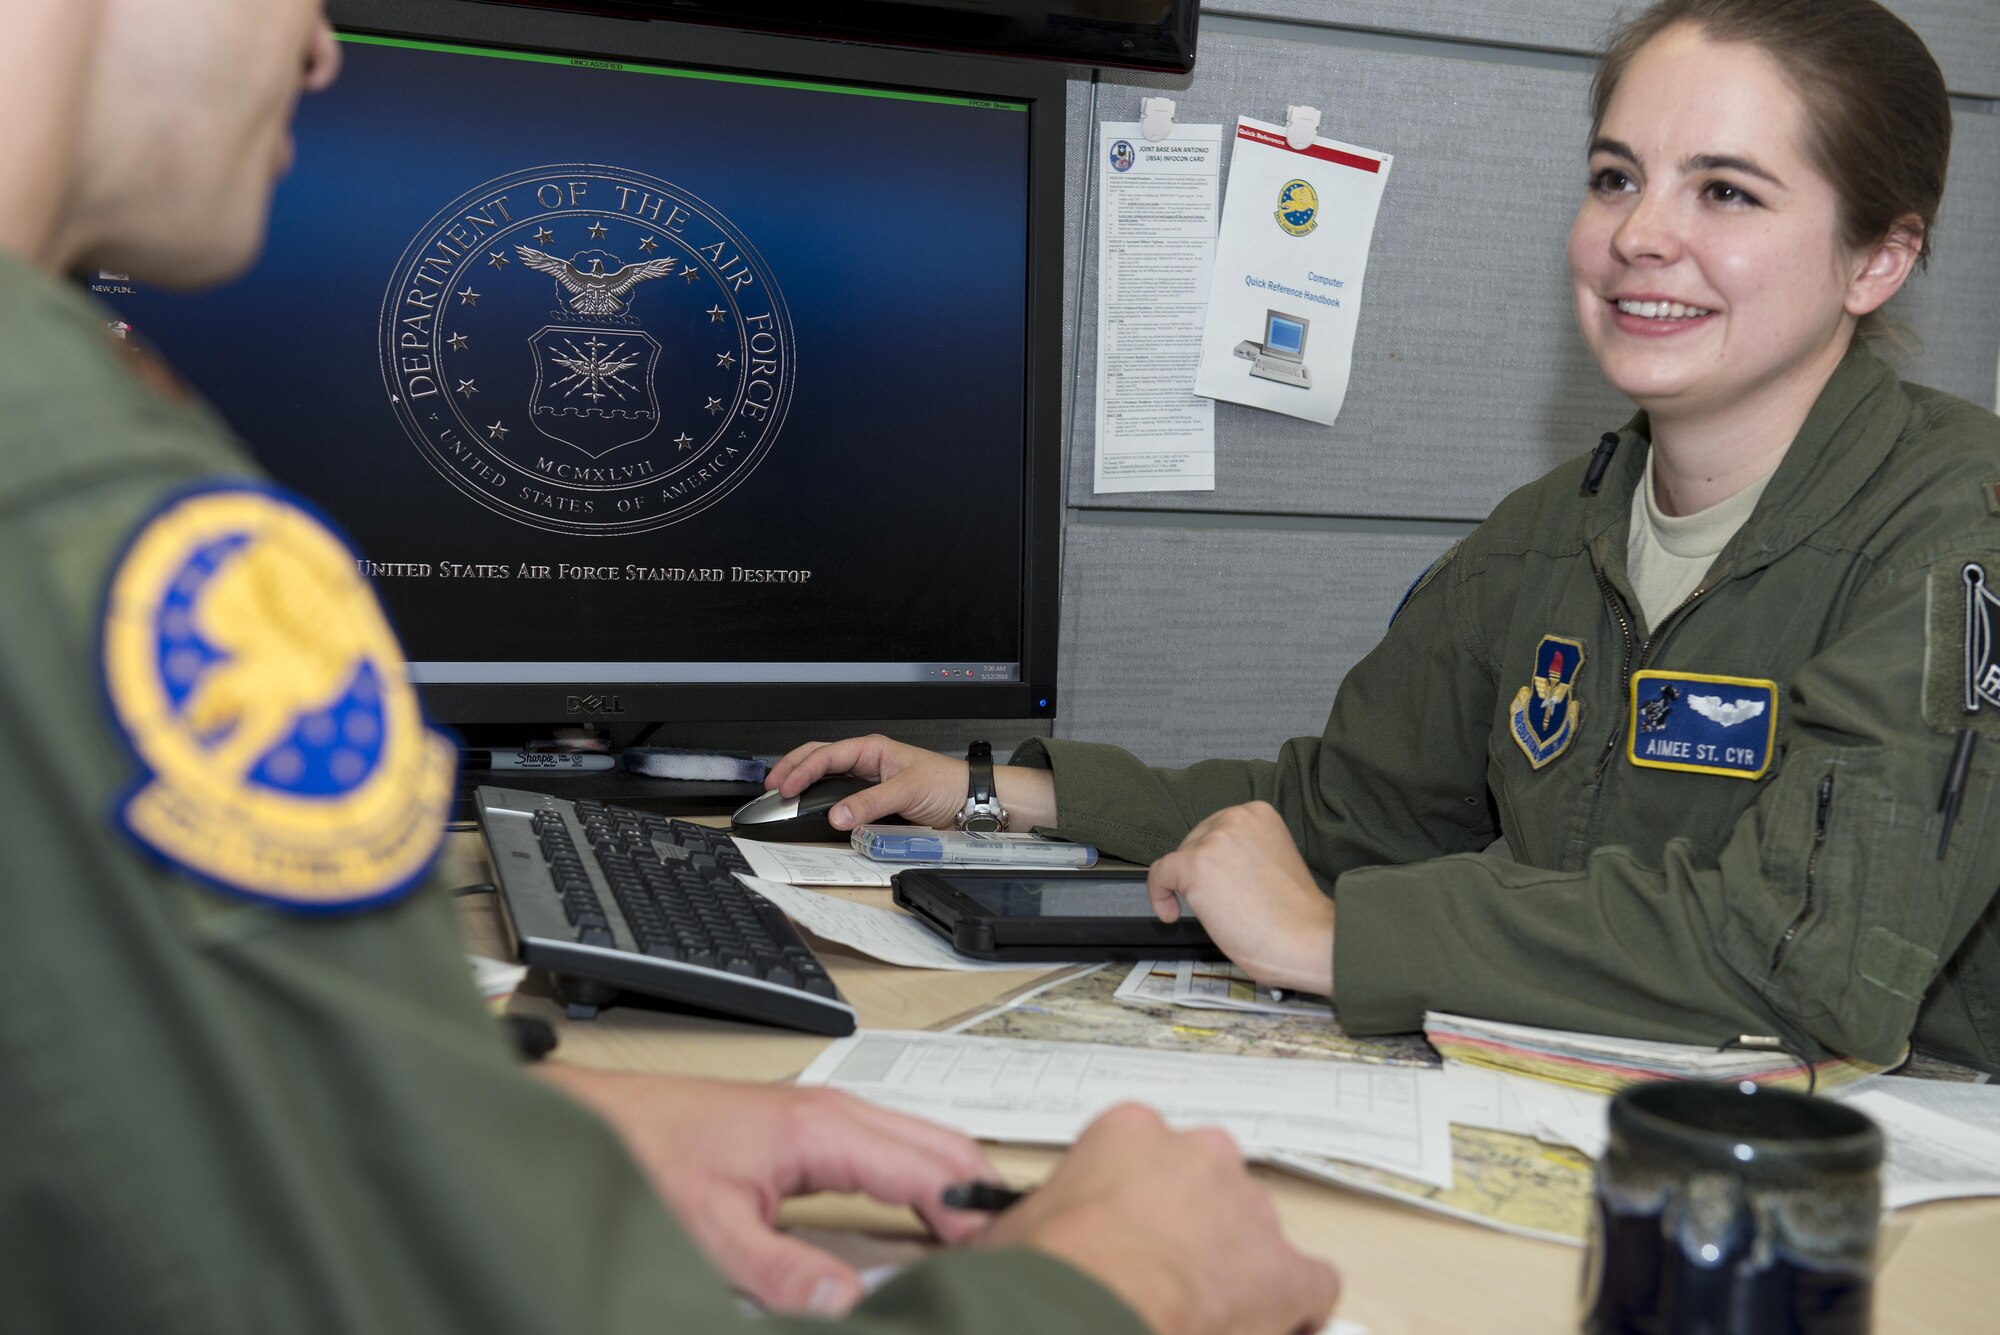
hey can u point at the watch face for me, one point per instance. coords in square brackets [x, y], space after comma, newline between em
[982, 817]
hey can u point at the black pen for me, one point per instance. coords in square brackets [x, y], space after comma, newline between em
[1600, 459]
[988, 1196]
[1954, 786]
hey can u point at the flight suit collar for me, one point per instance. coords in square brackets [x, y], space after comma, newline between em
[59, 339]
[1856, 421]
[1607, 516]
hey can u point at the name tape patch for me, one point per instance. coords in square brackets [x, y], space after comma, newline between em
[1702, 724]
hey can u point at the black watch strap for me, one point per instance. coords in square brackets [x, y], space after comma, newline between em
[982, 813]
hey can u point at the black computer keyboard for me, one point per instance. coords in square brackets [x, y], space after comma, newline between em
[608, 898]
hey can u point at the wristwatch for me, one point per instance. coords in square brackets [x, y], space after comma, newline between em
[982, 812]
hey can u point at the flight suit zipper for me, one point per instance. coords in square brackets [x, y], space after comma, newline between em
[1652, 642]
[1617, 606]
[1812, 871]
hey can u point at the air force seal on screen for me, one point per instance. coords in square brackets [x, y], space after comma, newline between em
[587, 349]
[1543, 715]
[255, 676]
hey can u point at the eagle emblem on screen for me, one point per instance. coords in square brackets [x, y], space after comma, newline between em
[593, 291]
[587, 349]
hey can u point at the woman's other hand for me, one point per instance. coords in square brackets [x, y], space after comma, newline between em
[1242, 875]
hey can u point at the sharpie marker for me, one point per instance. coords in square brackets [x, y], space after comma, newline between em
[569, 762]
[988, 1196]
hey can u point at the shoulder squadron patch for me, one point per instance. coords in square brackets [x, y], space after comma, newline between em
[1544, 714]
[252, 671]
[1962, 648]
[1702, 724]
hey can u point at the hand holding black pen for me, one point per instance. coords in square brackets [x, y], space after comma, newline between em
[991, 1197]
[1172, 1223]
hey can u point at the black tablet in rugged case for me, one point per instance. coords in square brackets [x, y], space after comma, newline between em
[1058, 916]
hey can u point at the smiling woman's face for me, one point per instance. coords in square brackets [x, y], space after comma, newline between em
[1707, 256]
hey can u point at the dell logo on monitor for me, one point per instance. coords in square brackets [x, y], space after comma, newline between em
[596, 704]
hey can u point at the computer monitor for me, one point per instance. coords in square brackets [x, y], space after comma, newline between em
[662, 373]
[1135, 34]
[1285, 335]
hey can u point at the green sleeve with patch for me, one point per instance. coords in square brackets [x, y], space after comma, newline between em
[219, 1117]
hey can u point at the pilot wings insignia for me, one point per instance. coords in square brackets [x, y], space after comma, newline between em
[1712, 708]
[593, 291]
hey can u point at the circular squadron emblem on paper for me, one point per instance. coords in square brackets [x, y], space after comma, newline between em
[260, 686]
[587, 349]
[1298, 207]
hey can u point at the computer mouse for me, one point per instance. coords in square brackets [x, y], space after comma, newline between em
[797, 820]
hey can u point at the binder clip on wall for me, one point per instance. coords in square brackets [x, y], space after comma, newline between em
[1301, 127]
[1156, 118]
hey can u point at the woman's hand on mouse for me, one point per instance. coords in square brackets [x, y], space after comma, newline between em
[921, 786]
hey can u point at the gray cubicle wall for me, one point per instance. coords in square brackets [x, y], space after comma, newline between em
[1219, 623]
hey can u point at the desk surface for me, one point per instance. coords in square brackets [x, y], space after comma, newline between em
[1407, 1272]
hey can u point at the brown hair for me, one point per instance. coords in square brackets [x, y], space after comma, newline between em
[1875, 98]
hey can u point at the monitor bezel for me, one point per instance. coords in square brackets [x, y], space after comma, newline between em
[479, 708]
[1163, 43]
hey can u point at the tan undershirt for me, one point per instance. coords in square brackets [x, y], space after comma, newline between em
[1666, 555]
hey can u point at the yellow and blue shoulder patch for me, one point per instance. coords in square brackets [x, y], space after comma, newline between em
[256, 678]
[1702, 724]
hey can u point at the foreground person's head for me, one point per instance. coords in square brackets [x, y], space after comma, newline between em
[163, 126]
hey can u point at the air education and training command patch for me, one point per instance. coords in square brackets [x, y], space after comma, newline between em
[1702, 724]
[1544, 714]
[255, 676]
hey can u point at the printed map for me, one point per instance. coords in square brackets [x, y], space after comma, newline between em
[1087, 1010]
[1511, 1183]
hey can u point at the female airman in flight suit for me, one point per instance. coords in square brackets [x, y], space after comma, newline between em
[1720, 687]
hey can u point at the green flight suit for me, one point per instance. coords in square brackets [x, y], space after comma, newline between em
[1641, 901]
[223, 1118]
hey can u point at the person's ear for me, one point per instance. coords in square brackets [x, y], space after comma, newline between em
[1885, 267]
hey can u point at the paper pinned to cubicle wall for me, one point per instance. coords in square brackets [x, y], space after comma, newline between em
[1158, 204]
[1289, 265]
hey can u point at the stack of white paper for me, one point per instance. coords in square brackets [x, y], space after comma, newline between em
[1607, 1063]
[1520, 1106]
[1387, 1117]
[884, 934]
[1931, 1156]
[1940, 1136]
